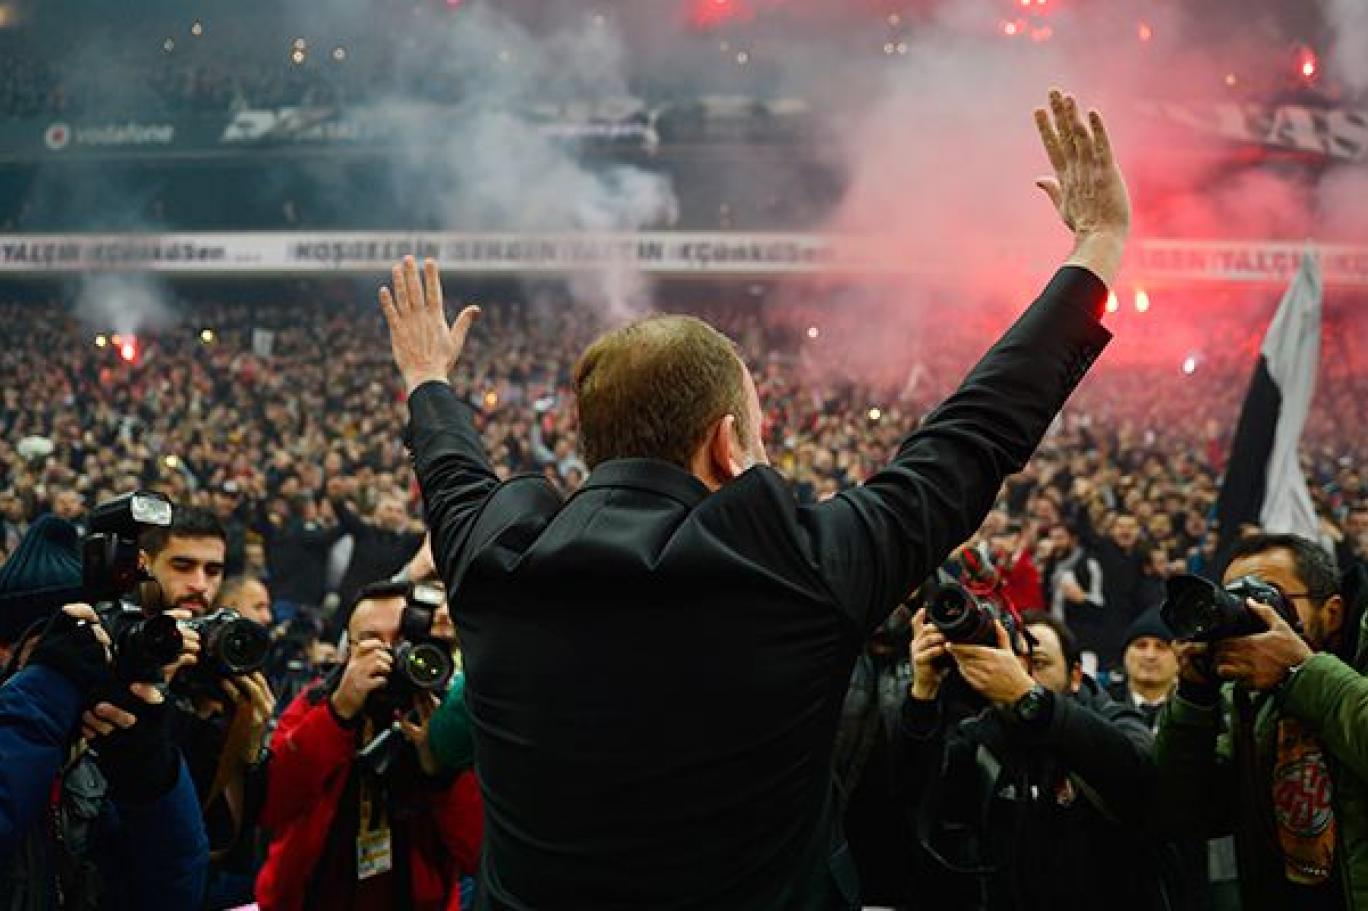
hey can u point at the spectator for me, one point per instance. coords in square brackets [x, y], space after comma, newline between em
[1151, 667]
[1352, 546]
[380, 548]
[298, 547]
[1076, 596]
[248, 596]
[228, 508]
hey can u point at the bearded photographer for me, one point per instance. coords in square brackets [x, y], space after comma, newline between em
[116, 830]
[1267, 736]
[356, 823]
[221, 718]
[1026, 782]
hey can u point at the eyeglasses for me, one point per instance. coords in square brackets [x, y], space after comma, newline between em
[1291, 595]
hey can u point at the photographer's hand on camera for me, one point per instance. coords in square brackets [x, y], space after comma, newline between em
[1262, 661]
[190, 644]
[251, 693]
[76, 646]
[1196, 675]
[994, 672]
[368, 670]
[425, 704]
[930, 660]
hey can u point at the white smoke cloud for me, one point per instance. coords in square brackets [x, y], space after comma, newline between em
[1348, 52]
[491, 165]
[126, 303]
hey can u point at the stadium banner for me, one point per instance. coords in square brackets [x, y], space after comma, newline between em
[1339, 133]
[1332, 133]
[669, 253]
[240, 131]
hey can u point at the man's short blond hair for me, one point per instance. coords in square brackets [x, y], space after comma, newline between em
[653, 389]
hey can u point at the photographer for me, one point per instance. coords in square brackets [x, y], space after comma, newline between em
[1026, 782]
[344, 834]
[220, 721]
[76, 831]
[1265, 736]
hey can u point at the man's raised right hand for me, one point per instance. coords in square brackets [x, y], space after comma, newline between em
[425, 347]
[1087, 187]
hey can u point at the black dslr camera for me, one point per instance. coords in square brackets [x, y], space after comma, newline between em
[143, 640]
[1201, 611]
[230, 646]
[965, 618]
[422, 664]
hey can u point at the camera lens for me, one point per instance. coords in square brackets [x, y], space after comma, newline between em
[242, 646]
[1191, 617]
[955, 613]
[427, 666]
[1192, 608]
[156, 639]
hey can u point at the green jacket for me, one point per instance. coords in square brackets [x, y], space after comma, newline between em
[1210, 787]
[449, 734]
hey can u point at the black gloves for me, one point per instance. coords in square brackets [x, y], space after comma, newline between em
[141, 762]
[69, 647]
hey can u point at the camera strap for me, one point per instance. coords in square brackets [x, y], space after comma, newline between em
[230, 764]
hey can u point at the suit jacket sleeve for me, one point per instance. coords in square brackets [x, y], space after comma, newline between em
[876, 543]
[453, 472]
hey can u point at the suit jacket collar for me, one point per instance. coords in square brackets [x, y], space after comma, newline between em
[650, 475]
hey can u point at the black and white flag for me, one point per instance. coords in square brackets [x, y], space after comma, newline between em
[1264, 483]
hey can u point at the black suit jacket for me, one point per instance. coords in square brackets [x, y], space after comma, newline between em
[654, 673]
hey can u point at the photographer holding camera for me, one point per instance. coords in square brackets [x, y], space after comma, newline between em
[223, 705]
[1265, 738]
[360, 817]
[1027, 783]
[77, 830]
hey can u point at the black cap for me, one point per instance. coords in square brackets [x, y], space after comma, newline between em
[1150, 623]
[40, 577]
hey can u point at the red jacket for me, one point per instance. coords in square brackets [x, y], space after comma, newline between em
[312, 757]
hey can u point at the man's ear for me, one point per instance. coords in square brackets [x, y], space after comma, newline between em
[1333, 612]
[1075, 678]
[724, 450]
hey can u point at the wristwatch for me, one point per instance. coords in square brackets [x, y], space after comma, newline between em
[1034, 706]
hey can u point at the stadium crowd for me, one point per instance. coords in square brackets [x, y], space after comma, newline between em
[279, 429]
[191, 414]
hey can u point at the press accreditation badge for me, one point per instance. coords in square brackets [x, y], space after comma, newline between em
[374, 853]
